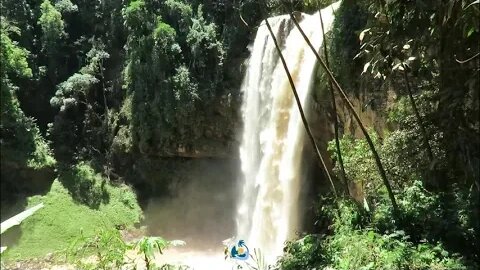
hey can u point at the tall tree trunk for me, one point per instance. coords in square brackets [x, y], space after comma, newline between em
[299, 105]
[343, 175]
[381, 170]
[417, 115]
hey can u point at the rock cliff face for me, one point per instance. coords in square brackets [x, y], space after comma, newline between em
[220, 134]
[320, 117]
[367, 107]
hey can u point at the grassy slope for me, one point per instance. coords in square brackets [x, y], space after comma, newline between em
[55, 226]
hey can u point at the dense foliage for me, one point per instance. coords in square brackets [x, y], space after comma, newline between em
[95, 93]
[400, 52]
[22, 145]
[117, 83]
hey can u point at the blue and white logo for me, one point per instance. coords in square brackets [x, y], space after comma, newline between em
[238, 251]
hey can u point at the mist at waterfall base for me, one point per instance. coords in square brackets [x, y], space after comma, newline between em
[262, 207]
[200, 211]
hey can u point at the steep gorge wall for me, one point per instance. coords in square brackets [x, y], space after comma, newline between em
[371, 103]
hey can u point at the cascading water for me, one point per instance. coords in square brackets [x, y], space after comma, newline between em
[273, 136]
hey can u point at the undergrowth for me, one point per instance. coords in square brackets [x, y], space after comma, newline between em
[434, 229]
[64, 218]
[354, 242]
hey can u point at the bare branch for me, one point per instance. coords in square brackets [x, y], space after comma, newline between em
[343, 175]
[381, 170]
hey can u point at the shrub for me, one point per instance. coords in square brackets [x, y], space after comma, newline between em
[369, 250]
[84, 185]
[352, 245]
[305, 253]
[358, 160]
[420, 212]
[107, 246]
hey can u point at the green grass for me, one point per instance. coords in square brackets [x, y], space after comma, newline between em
[61, 221]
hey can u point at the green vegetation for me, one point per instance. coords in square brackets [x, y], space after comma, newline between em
[92, 91]
[401, 53]
[63, 219]
[147, 246]
[110, 250]
[107, 246]
[52, 26]
[428, 235]
[434, 227]
[100, 95]
[368, 250]
[23, 144]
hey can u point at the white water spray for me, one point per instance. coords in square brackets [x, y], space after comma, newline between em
[273, 136]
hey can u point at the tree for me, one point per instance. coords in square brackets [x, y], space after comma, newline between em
[21, 142]
[52, 26]
[14, 58]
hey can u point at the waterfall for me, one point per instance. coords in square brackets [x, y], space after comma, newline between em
[273, 135]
